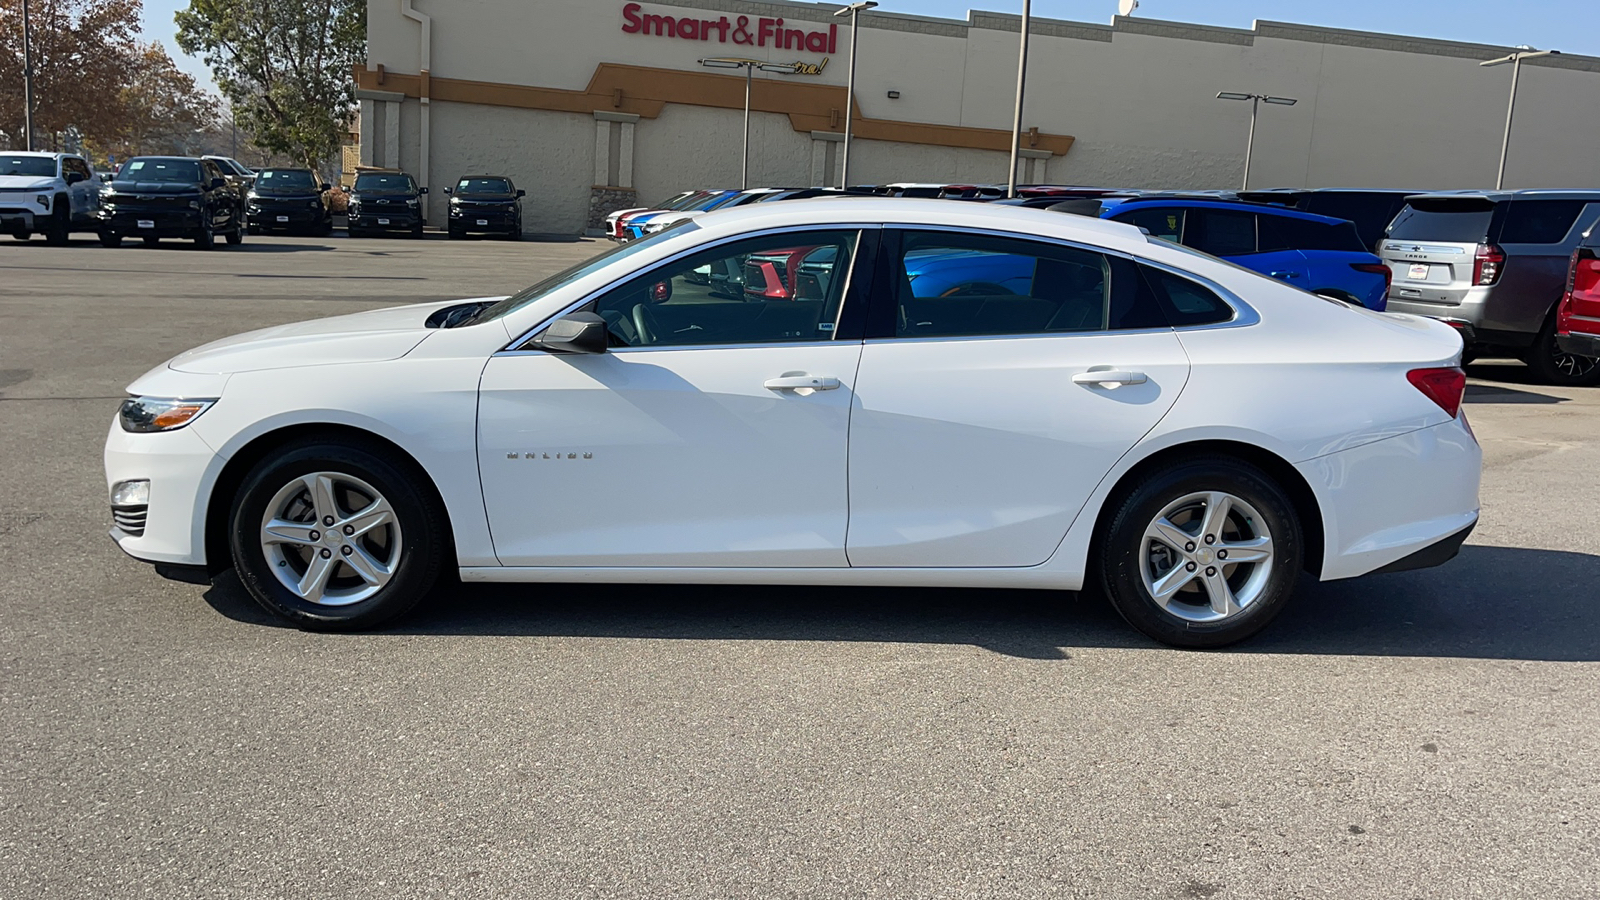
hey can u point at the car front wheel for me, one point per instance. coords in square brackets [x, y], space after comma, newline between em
[1203, 553]
[335, 537]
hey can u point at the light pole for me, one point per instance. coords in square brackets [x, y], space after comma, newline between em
[1016, 116]
[749, 66]
[850, 85]
[1516, 69]
[27, 78]
[1255, 103]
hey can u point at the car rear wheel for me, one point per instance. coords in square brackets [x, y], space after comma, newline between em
[1202, 554]
[334, 537]
[1554, 366]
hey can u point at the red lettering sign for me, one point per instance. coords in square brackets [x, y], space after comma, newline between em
[764, 33]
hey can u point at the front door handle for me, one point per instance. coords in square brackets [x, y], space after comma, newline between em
[801, 382]
[1109, 377]
[1286, 275]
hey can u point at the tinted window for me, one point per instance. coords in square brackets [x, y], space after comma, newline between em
[385, 181]
[286, 179]
[1221, 232]
[40, 166]
[1539, 221]
[483, 186]
[773, 289]
[1462, 221]
[1186, 302]
[73, 164]
[180, 171]
[961, 285]
[1289, 233]
[1371, 213]
[1166, 224]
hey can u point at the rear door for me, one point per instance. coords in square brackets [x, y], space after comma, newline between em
[988, 405]
[1430, 251]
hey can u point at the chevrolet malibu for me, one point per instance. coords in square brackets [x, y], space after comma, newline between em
[1132, 417]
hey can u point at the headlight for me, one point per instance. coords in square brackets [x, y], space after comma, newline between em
[314, 204]
[251, 196]
[411, 201]
[143, 415]
[194, 204]
[43, 200]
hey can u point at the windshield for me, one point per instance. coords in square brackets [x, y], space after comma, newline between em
[379, 181]
[285, 179]
[685, 201]
[593, 264]
[1465, 221]
[172, 171]
[28, 165]
[483, 186]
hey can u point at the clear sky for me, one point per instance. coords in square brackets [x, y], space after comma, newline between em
[1569, 25]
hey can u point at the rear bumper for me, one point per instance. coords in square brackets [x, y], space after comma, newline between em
[1394, 499]
[1579, 344]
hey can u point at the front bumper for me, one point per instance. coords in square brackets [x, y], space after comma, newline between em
[1384, 502]
[19, 218]
[1579, 344]
[163, 222]
[180, 468]
[266, 217]
[483, 221]
[395, 220]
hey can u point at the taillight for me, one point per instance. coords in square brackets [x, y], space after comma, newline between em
[1583, 278]
[1377, 269]
[1487, 263]
[1443, 386]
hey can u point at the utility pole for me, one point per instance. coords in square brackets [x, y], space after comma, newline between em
[1016, 118]
[850, 85]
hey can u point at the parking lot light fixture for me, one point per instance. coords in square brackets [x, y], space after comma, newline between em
[1255, 104]
[1016, 116]
[749, 66]
[1515, 59]
[850, 84]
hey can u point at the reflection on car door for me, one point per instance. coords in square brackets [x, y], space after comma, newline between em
[986, 414]
[713, 434]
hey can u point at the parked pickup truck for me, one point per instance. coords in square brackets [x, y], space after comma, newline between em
[55, 193]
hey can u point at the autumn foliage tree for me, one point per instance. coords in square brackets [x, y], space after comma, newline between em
[284, 66]
[93, 81]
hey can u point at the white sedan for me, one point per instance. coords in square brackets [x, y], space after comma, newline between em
[899, 392]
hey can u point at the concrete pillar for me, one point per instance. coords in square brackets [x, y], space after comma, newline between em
[368, 130]
[625, 157]
[613, 165]
[602, 152]
[376, 149]
[391, 134]
[1034, 164]
[826, 158]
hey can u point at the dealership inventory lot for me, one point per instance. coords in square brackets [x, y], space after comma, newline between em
[1426, 734]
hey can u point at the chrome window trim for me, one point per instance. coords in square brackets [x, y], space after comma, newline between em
[515, 346]
[1244, 314]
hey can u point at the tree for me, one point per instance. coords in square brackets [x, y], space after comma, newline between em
[284, 65]
[84, 53]
[162, 109]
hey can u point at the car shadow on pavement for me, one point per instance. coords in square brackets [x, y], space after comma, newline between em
[1489, 393]
[1488, 603]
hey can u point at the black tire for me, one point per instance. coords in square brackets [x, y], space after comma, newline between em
[421, 519]
[255, 229]
[236, 234]
[59, 230]
[416, 231]
[1123, 552]
[204, 237]
[457, 234]
[110, 239]
[151, 241]
[22, 235]
[1553, 366]
[355, 232]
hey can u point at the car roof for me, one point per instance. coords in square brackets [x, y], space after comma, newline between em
[1238, 205]
[45, 153]
[1497, 196]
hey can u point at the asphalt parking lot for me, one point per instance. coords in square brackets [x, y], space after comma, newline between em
[1420, 735]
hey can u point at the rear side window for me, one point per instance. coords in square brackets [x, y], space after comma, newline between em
[1289, 233]
[1539, 221]
[1166, 224]
[1186, 303]
[1459, 221]
[1221, 232]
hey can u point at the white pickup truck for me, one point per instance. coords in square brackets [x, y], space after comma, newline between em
[55, 193]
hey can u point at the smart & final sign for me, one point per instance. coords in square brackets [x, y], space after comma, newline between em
[764, 32]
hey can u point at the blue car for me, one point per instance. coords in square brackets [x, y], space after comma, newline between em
[635, 227]
[1320, 254]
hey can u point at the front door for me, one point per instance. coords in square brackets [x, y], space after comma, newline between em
[1010, 378]
[713, 433]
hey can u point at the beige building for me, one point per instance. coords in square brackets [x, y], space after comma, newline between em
[595, 104]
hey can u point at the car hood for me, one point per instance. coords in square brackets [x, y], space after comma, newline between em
[153, 187]
[27, 182]
[302, 194]
[374, 336]
[370, 193]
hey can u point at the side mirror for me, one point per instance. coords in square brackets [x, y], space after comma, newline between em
[447, 191]
[422, 190]
[326, 187]
[581, 332]
[218, 183]
[522, 193]
[74, 177]
[107, 176]
[345, 188]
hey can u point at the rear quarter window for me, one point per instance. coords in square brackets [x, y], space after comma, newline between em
[1289, 233]
[1539, 221]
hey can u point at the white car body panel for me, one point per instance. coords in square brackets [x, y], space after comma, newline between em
[1319, 385]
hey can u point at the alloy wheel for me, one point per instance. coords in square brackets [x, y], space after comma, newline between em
[331, 538]
[1207, 557]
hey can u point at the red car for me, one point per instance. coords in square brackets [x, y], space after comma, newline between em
[1578, 316]
[793, 273]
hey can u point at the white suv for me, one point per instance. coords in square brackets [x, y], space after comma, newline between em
[55, 193]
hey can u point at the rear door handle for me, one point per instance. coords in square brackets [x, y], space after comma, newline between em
[799, 382]
[1286, 275]
[1109, 377]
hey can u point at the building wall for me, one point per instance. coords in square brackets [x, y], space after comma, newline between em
[1138, 95]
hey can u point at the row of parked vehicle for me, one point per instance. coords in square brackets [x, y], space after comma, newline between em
[1516, 273]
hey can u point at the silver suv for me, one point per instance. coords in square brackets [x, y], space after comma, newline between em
[55, 193]
[1494, 265]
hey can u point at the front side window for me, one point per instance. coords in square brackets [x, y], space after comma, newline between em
[953, 284]
[169, 171]
[773, 289]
